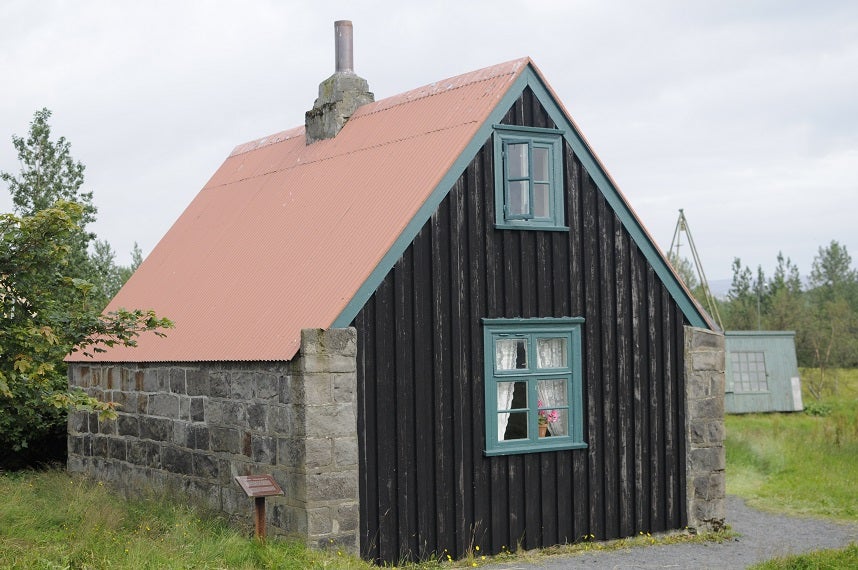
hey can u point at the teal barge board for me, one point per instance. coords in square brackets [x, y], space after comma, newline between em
[762, 372]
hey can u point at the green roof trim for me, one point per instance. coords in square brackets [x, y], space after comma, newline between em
[528, 78]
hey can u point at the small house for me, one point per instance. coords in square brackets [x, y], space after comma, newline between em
[762, 372]
[433, 319]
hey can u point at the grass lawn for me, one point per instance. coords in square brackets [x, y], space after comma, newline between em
[49, 519]
[800, 463]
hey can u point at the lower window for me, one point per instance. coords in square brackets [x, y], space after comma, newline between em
[533, 385]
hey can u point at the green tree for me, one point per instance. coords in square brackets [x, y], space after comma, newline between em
[49, 174]
[46, 314]
[785, 308]
[685, 270]
[741, 309]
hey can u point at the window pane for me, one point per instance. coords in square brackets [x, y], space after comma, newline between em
[551, 352]
[540, 164]
[512, 395]
[517, 160]
[552, 393]
[560, 425]
[516, 426]
[518, 200]
[541, 207]
[511, 354]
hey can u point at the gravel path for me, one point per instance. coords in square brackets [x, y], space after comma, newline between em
[763, 536]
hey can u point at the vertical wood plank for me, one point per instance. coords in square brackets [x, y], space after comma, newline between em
[403, 356]
[625, 384]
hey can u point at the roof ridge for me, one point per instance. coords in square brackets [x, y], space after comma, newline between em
[430, 89]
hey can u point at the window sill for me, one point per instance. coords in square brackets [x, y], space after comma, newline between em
[531, 227]
[519, 448]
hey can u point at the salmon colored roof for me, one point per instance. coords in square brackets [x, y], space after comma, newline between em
[284, 234]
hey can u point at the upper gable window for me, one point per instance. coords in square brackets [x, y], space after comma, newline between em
[529, 179]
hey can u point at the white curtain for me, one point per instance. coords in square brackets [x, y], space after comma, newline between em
[505, 353]
[551, 352]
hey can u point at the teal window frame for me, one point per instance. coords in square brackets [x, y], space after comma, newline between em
[550, 140]
[531, 330]
[753, 373]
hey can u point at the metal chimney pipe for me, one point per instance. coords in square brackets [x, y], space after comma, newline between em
[343, 35]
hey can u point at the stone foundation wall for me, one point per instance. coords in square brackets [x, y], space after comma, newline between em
[192, 427]
[705, 460]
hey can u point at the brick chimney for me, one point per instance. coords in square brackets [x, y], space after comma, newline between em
[340, 94]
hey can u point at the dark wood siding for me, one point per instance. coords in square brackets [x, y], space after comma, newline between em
[426, 489]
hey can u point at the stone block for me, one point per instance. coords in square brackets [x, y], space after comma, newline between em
[344, 387]
[319, 521]
[235, 502]
[707, 432]
[332, 486]
[182, 435]
[331, 421]
[78, 422]
[345, 451]
[703, 339]
[198, 434]
[706, 409]
[128, 425]
[707, 361]
[184, 408]
[290, 518]
[197, 383]
[111, 378]
[106, 426]
[315, 363]
[164, 405]
[319, 452]
[263, 449]
[226, 439]
[266, 386]
[215, 414]
[116, 448]
[345, 542]
[157, 429]
[234, 414]
[219, 385]
[707, 460]
[257, 417]
[284, 389]
[286, 420]
[329, 341]
[318, 389]
[145, 454]
[177, 460]
[156, 380]
[348, 516]
[99, 446]
[198, 409]
[127, 381]
[241, 386]
[291, 453]
[177, 381]
[206, 466]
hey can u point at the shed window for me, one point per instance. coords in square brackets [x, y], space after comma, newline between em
[533, 385]
[748, 372]
[529, 178]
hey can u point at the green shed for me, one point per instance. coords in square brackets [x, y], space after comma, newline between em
[762, 372]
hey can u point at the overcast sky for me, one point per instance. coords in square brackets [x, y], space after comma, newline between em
[743, 113]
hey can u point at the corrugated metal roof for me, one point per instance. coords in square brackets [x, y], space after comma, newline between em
[284, 234]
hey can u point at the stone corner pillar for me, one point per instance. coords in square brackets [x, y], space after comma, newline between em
[326, 404]
[705, 460]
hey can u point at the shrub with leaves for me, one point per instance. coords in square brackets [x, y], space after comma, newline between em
[46, 314]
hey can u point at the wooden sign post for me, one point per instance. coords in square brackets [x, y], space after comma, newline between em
[259, 487]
